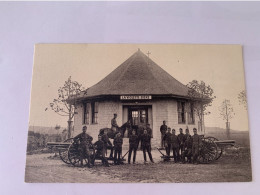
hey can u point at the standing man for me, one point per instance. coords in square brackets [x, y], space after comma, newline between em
[100, 146]
[187, 149]
[196, 144]
[84, 141]
[181, 141]
[133, 145]
[167, 141]
[146, 143]
[114, 125]
[175, 146]
[149, 130]
[163, 130]
[118, 142]
[107, 143]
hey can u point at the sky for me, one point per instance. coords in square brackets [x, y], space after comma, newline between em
[220, 66]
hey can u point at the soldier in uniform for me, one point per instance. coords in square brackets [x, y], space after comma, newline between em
[114, 125]
[146, 143]
[118, 142]
[163, 130]
[187, 152]
[149, 130]
[196, 144]
[133, 145]
[175, 146]
[167, 140]
[108, 144]
[140, 132]
[84, 141]
[181, 142]
[100, 146]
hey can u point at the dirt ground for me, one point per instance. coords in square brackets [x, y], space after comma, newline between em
[233, 166]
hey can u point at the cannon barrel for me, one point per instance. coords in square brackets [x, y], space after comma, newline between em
[225, 142]
[58, 144]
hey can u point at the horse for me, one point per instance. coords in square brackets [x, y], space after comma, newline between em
[112, 133]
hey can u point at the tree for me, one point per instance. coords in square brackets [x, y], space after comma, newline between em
[227, 113]
[201, 96]
[70, 90]
[242, 98]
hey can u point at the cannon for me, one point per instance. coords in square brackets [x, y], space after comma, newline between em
[210, 151]
[69, 152]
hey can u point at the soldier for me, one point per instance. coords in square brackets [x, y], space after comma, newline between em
[108, 144]
[84, 141]
[196, 144]
[167, 141]
[149, 130]
[140, 132]
[133, 145]
[181, 141]
[187, 148]
[118, 142]
[163, 130]
[100, 146]
[146, 143]
[114, 125]
[175, 146]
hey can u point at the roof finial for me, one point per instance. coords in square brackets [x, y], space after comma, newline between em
[148, 53]
[138, 49]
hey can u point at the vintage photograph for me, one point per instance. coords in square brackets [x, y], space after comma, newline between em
[138, 113]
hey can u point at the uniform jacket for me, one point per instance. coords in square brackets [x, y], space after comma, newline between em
[118, 142]
[181, 138]
[106, 140]
[174, 141]
[146, 140]
[163, 129]
[83, 138]
[114, 123]
[167, 138]
[188, 141]
[196, 140]
[133, 141]
[149, 131]
[100, 145]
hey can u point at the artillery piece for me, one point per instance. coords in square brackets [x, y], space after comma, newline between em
[210, 151]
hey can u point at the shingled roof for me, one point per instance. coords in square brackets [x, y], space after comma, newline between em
[138, 75]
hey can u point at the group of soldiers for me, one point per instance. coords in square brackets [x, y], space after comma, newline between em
[185, 147]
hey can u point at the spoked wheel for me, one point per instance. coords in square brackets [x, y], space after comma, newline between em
[209, 151]
[63, 152]
[74, 155]
[220, 150]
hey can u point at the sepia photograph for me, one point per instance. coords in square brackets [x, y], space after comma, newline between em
[131, 113]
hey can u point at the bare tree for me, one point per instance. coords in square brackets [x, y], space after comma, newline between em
[201, 96]
[70, 90]
[242, 98]
[227, 113]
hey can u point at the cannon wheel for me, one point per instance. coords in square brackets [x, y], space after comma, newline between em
[220, 149]
[63, 153]
[209, 151]
[74, 155]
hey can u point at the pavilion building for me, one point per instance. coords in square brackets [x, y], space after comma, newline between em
[138, 90]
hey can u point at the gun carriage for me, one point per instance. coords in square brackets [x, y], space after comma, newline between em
[69, 151]
[210, 151]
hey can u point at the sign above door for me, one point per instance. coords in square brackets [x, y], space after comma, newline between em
[135, 97]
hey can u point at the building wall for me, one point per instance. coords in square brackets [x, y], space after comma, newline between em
[161, 110]
[106, 110]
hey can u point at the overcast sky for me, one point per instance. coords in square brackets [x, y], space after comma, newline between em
[220, 66]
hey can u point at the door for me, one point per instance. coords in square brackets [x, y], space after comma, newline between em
[138, 116]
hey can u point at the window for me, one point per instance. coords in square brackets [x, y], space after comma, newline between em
[191, 114]
[86, 113]
[94, 109]
[181, 112]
